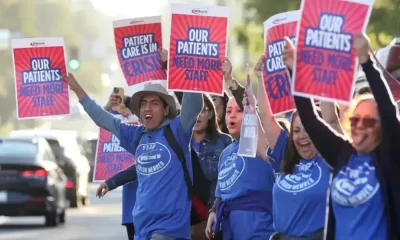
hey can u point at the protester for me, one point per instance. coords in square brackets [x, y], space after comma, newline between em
[300, 191]
[163, 202]
[208, 142]
[238, 92]
[242, 209]
[365, 201]
[128, 190]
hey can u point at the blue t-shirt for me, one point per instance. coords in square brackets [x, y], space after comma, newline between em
[128, 201]
[162, 203]
[357, 201]
[299, 199]
[239, 175]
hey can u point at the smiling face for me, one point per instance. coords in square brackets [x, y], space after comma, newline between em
[233, 118]
[153, 111]
[365, 126]
[301, 140]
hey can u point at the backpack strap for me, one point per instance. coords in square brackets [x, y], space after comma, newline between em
[181, 157]
[137, 142]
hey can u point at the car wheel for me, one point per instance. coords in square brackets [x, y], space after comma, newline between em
[76, 200]
[62, 217]
[85, 201]
[52, 219]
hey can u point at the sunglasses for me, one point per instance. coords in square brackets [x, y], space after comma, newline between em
[366, 122]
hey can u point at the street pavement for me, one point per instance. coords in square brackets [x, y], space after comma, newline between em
[100, 220]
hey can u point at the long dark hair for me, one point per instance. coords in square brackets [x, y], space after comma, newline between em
[225, 100]
[291, 156]
[212, 129]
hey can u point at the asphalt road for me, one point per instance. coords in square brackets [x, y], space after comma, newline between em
[100, 220]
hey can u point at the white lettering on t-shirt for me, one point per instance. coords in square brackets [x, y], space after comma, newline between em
[305, 176]
[355, 185]
[233, 167]
[152, 158]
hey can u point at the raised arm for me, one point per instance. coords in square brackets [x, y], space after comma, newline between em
[101, 117]
[192, 104]
[97, 113]
[262, 142]
[231, 84]
[386, 106]
[125, 176]
[268, 121]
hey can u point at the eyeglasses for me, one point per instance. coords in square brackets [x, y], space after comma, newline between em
[366, 122]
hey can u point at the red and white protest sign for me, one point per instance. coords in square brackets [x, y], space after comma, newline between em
[137, 42]
[276, 78]
[111, 158]
[325, 65]
[39, 66]
[198, 43]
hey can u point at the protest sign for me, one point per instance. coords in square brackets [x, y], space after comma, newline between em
[249, 129]
[138, 41]
[325, 62]
[111, 158]
[39, 66]
[197, 45]
[276, 77]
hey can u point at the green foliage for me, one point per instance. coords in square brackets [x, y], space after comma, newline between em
[383, 26]
[260, 10]
[42, 18]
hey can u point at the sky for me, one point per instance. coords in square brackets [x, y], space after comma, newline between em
[130, 8]
[138, 8]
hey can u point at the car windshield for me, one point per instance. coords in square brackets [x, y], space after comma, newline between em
[17, 149]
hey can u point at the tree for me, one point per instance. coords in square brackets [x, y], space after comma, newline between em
[43, 18]
[384, 23]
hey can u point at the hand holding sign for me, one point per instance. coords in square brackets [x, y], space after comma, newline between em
[361, 45]
[288, 53]
[226, 68]
[71, 81]
[74, 86]
[163, 55]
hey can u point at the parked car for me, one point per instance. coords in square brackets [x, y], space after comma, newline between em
[70, 158]
[31, 182]
[88, 143]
